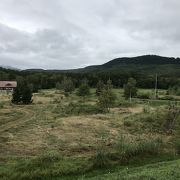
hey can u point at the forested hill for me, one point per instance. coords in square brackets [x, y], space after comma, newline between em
[148, 59]
[142, 68]
[139, 61]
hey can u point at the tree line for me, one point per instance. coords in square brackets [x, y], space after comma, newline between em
[48, 80]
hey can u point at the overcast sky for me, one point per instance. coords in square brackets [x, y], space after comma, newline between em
[63, 34]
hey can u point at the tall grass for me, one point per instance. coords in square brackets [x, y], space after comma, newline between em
[76, 109]
[101, 159]
[127, 150]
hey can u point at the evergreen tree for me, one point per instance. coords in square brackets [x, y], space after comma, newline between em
[26, 95]
[22, 94]
[83, 90]
[16, 96]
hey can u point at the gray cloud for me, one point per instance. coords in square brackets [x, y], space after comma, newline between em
[67, 34]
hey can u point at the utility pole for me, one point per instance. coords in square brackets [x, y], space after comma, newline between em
[130, 97]
[156, 86]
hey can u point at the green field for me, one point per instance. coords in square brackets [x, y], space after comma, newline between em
[59, 137]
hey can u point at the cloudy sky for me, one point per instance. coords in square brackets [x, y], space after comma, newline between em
[63, 34]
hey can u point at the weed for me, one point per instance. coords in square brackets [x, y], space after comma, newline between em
[101, 159]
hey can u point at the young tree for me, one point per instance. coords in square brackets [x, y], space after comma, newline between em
[100, 87]
[109, 85]
[83, 90]
[58, 86]
[16, 96]
[67, 85]
[106, 98]
[172, 116]
[130, 89]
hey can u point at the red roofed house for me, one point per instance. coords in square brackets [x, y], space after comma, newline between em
[8, 85]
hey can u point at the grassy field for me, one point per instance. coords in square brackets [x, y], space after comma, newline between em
[58, 137]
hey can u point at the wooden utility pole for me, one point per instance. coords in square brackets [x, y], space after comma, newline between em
[156, 82]
[130, 98]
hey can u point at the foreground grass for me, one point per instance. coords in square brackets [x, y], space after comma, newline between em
[52, 166]
[60, 137]
[160, 171]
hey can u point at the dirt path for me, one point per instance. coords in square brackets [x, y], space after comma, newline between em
[27, 116]
[132, 110]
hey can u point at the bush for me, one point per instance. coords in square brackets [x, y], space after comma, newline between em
[144, 96]
[125, 103]
[128, 123]
[170, 98]
[76, 109]
[84, 90]
[1, 105]
[175, 90]
[87, 109]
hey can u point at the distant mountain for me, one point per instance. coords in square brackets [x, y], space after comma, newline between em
[34, 70]
[138, 61]
[147, 59]
[124, 62]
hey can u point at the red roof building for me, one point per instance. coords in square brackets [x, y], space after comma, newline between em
[8, 85]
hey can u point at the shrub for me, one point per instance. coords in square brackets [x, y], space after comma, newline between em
[175, 90]
[1, 105]
[128, 123]
[76, 109]
[84, 90]
[144, 96]
[170, 98]
[125, 103]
